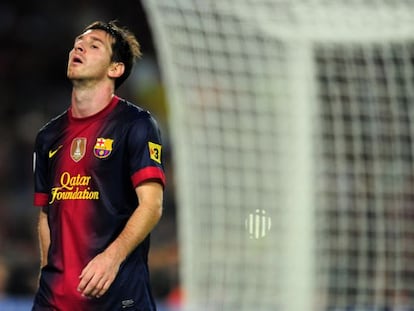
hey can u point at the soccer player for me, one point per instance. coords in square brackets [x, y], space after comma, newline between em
[99, 180]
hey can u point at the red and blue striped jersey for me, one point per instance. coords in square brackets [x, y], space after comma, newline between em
[85, 174]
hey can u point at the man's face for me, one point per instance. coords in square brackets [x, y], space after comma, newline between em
[90, 57]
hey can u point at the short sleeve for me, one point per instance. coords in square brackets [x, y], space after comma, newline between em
[40, 174]
[145, 151]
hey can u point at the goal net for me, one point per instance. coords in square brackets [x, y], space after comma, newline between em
[292, 131]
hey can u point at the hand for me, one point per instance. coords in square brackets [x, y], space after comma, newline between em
[98, 275]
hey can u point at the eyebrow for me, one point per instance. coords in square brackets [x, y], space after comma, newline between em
[94, 38]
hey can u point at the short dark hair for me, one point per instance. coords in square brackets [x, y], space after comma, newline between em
[125, 46]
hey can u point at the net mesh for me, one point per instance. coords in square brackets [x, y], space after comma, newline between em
[291, 127]
[366, 191]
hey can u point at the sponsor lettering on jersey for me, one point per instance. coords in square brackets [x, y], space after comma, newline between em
[73, 188]
[155, 151]
[103, 147]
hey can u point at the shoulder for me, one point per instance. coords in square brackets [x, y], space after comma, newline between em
[52, 127]
[134, 115]
[133, 111]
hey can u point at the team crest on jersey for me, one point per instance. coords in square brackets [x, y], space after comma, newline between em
[78, 148]
[155, 151]
[103, 147]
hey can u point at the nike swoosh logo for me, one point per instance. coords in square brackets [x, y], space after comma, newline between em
[53, 152]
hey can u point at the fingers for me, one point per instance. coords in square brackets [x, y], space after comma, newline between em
[103, 289]
[98, 275]
[85, 279]
[100, 289]
[93, 284]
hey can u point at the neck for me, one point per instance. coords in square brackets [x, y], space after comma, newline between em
[89, 101]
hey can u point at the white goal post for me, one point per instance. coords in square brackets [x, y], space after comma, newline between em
[292, 134]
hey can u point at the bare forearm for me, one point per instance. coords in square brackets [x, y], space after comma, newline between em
[142, 221]
[140, 224]
[100, 272]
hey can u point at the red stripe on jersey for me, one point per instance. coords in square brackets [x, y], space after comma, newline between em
[151, 172]
[40, 199]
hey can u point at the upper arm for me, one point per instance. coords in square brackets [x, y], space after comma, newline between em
[44, 236]
[150, 194]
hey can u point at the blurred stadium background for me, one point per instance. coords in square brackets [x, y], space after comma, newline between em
[288, 141]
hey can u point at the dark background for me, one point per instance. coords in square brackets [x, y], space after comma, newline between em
[36, 38]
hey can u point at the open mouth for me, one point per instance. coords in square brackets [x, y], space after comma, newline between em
[77, 60]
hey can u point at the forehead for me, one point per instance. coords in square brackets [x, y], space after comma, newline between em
[96, 35]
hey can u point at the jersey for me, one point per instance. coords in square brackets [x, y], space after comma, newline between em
[85, 174]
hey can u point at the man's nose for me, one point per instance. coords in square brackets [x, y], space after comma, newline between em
[79, 48]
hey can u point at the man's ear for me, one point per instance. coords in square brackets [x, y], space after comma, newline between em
[116, 70]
